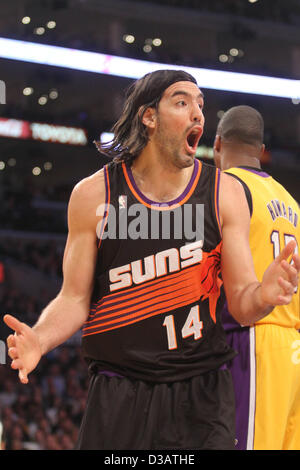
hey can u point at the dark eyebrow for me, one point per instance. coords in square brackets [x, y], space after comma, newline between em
[181, 92]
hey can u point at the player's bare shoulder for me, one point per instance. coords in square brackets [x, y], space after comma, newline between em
[232, 200]
[230, 185]
[87, 195]
[91, 187]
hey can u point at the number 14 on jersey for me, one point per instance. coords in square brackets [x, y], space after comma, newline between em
[192, 327]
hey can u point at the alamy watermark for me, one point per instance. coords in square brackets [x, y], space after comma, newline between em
[185, 222]
[2, 92]
[2, 352]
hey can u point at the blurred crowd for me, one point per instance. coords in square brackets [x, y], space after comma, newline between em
[46, 413]
[43, 255]
[22, 210]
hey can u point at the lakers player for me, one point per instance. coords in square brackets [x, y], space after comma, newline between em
[149, 308]
[267, 370]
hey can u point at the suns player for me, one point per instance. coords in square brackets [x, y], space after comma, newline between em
[267, 370]
[149, 309]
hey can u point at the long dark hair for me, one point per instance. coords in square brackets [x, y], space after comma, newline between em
[130, 134]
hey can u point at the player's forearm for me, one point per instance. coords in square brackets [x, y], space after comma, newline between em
[247, 306]
[62, 317]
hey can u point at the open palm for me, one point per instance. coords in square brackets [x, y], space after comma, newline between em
[281, 278]
[23, 347]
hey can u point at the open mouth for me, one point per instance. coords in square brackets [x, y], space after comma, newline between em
[193, 138]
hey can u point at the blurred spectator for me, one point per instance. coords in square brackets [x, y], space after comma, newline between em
[39, 417]
[54, 382]
[44, 255]
[25, 306]
[8, 396]
[20, 210]
[46, 413]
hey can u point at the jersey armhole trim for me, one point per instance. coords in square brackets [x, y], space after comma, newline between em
[106, 206]
[216, 199]
[247, 192]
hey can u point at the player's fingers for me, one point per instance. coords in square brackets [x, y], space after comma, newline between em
[13, 353]
[287, 251]
[283, 299]
[23, 376]
[13, 323]
[11, 341]
[291, 272]
[16, 364]
[296, 260]
[287, 287]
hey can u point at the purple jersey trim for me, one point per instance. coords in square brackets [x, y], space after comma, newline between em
[109, 373]
[240, 369]
[256, 172]
[170, 203]
[218, 207]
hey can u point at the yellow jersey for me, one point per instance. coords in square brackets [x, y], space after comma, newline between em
[274, 223]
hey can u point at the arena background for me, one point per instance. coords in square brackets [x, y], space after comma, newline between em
[39, 165]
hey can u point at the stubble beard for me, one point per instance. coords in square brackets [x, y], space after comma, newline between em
[169, 150]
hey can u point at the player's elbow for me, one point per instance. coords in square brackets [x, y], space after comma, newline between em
[244, 319]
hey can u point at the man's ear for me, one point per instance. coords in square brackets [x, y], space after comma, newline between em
[262, 150]
[217, 146]
[149, 117]
[217, 143]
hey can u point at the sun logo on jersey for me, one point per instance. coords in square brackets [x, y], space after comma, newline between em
[153, 286]
[210, 279]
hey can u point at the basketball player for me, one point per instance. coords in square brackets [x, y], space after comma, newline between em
[149, 306]
[266, 371]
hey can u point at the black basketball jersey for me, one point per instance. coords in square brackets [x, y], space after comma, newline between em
[155, 309]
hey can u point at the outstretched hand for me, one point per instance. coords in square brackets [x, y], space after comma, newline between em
[281, 278]
[23, 347]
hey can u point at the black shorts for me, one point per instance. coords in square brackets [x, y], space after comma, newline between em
[126, 414]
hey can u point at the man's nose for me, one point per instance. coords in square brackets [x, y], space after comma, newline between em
[197, 114]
